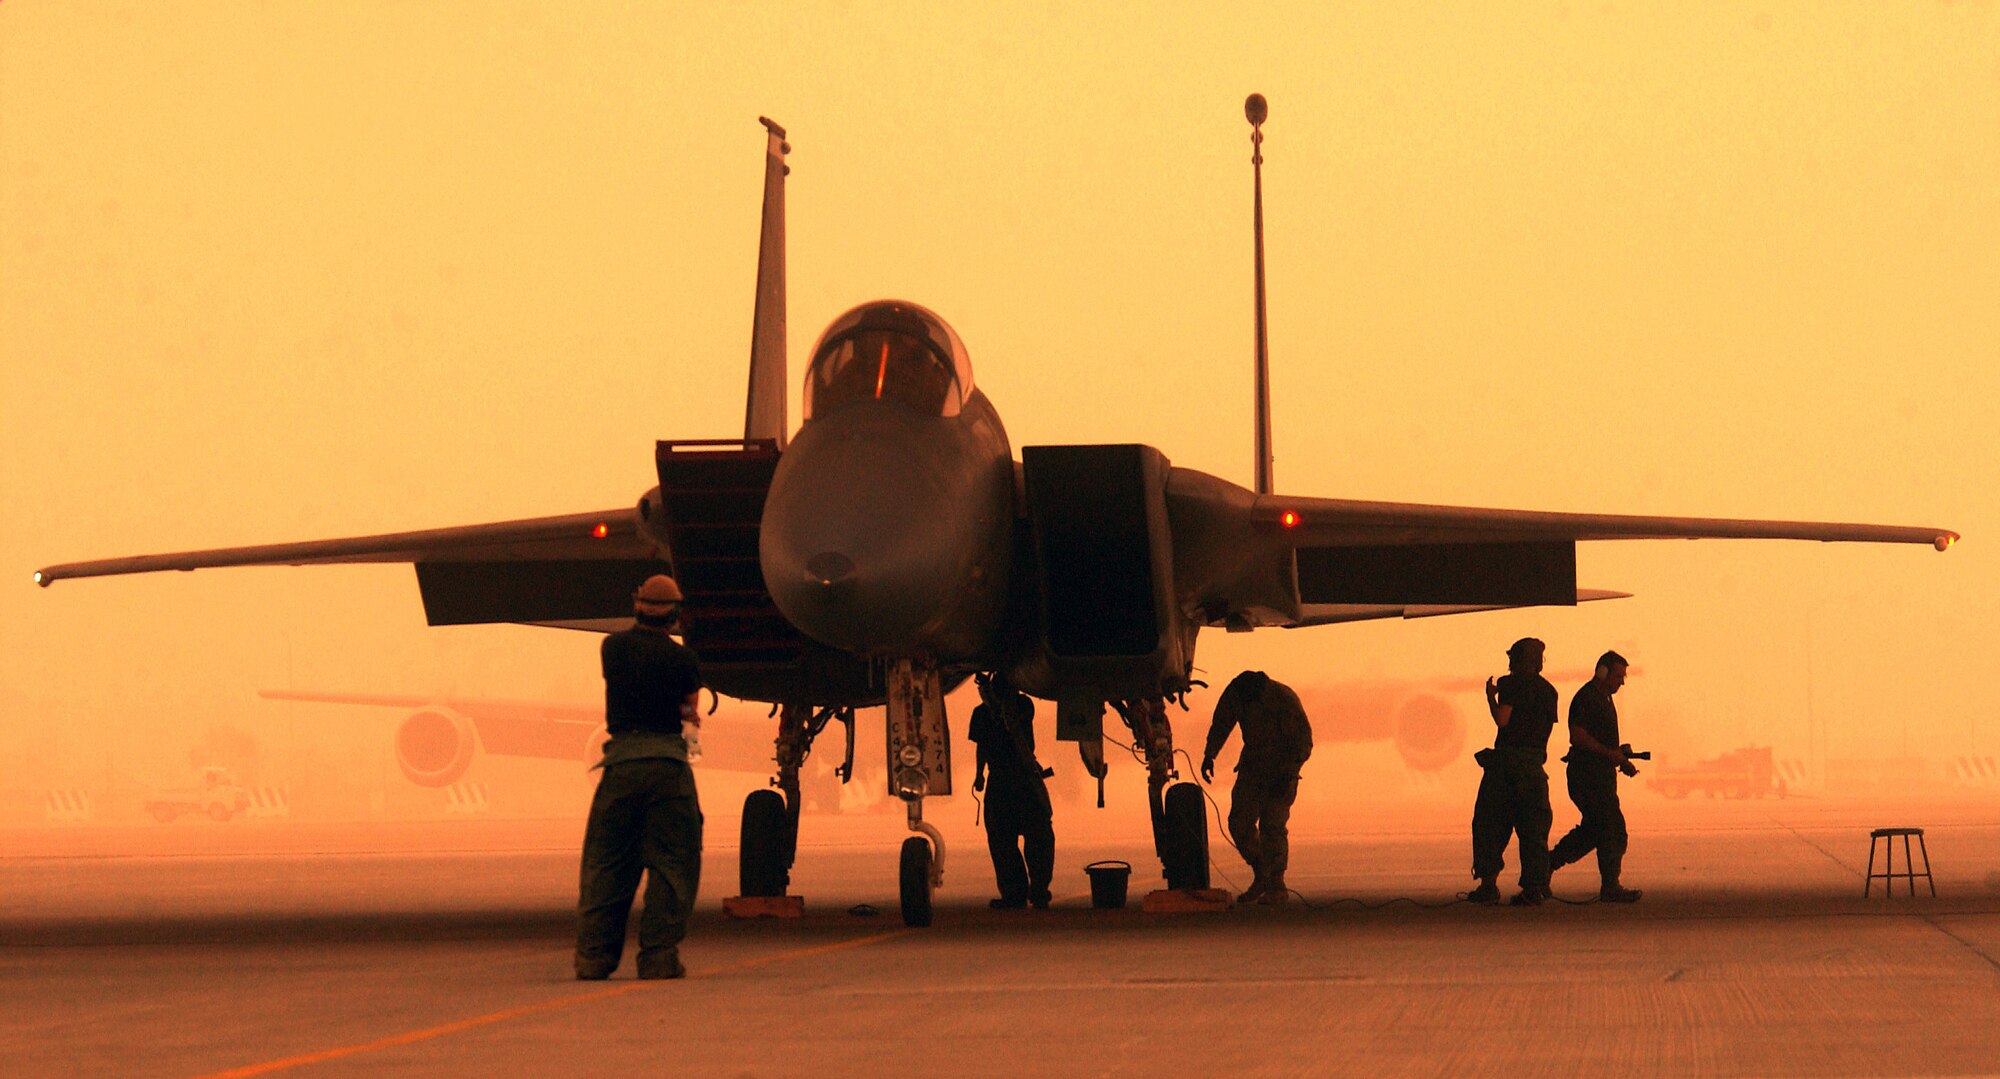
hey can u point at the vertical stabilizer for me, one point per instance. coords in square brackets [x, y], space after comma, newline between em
[765, 415]
[1255, 110]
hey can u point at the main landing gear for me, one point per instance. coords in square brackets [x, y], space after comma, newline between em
[1180, 821]
[770, 837]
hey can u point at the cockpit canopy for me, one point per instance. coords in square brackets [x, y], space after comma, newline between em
[889, 350]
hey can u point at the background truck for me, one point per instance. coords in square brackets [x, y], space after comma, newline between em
[218, 797]
[1739, 773]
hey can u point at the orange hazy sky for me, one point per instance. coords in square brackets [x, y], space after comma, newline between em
[289, 271]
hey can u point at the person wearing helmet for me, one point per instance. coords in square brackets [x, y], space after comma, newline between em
[1513, 794]
[645, 815]
[1020, 833]
[1277, 739]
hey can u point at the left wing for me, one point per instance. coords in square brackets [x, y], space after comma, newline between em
[1243, 560]
[1345, 522]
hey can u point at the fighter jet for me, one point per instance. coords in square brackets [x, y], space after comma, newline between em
[894, 545]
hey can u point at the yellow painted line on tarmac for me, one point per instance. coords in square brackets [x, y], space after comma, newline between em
[427, 1033]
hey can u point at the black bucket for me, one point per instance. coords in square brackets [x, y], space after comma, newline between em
[1107, 883]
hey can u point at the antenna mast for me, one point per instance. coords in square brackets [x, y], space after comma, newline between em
[1255, 110]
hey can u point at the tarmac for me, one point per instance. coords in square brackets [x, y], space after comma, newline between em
[443, 947]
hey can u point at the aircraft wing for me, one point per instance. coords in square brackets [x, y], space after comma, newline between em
[1344, 522]
[611, 534]
[1326, 614]
[1244, 560]
[577, 570]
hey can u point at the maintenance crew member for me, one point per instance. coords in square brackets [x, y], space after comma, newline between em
[1595, 758]
[645, 815]
[1514, 790]
[1020, 832]
[1277, 739]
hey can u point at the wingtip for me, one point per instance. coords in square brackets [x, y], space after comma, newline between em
[1944, 540]
[44, 578]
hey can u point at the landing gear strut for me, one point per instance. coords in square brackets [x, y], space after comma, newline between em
[771, 817]
[1180, 825]
[919, 765]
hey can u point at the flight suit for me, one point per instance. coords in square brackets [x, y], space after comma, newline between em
[1513, 797]
[1020, 828]
[646, 815]
[1277, 740]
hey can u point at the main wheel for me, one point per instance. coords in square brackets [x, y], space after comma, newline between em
[762, 863]
[1185, 822]
[915, 877]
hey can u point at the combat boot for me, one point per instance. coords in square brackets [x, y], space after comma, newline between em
[1275, 894]
[1253, 893]
[1529, 897]
[1613, 893]
[666, 964]
[1487, 894]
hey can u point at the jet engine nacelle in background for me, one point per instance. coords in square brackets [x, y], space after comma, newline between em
[1430, 733]
[1427, 727]
[434, 746]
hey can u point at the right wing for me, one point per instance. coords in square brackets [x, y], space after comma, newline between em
[576, 570]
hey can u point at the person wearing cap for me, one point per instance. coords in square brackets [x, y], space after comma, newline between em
[1277, 740]
[1513, 794]
[1595, 758]
[1020, 832]
[645, 815]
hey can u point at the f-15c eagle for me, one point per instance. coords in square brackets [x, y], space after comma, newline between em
[894, 545]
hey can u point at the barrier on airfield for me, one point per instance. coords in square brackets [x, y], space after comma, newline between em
[466, 799]
[268, 803]
[67, 806]
[1976, 770]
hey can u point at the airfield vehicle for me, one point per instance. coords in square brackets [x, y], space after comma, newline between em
[219, 798]
[1739, 773]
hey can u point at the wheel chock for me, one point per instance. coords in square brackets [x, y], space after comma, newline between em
[764, 906]
[1185, 901]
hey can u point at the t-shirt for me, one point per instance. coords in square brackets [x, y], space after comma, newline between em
[1005, 753]
[1592, 712]
[647, 675]
[1534, 702]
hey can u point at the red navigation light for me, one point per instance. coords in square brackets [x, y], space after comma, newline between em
[601, 530]
[1289, 518]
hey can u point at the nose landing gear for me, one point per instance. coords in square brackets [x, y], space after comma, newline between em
[919, 765]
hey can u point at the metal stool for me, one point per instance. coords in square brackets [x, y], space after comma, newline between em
[1888, 875]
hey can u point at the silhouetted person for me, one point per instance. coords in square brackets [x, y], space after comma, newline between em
[1514, 789]
[645, 815]
[1277, 739]
[1595, 760]
[1019, 821]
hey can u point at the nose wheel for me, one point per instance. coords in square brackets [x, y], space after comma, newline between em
[915, 878]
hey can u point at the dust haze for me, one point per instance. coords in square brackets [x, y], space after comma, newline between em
[272, 274]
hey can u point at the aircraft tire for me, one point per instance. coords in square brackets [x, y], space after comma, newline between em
[915, 878]
[1186, 824]
[761, 856]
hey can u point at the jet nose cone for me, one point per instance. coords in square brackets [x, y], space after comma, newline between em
[830, 568]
